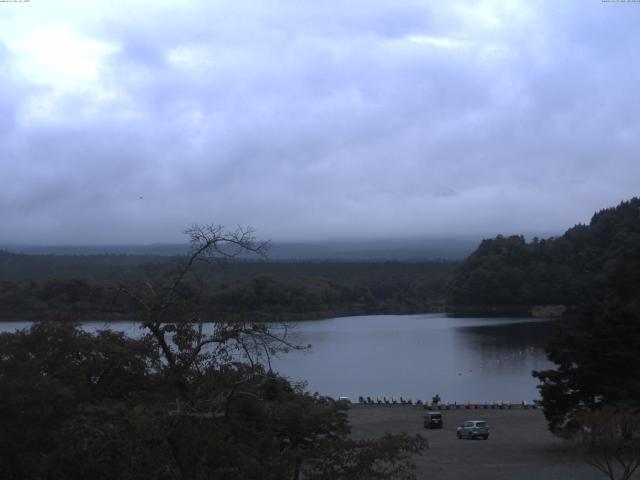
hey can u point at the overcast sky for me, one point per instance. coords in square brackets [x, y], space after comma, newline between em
[128, 121]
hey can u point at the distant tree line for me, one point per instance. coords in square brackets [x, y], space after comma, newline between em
[87, 287]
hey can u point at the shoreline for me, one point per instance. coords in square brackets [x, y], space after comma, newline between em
[462, 406]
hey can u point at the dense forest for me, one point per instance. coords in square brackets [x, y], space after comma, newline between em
[88, 286]
[585, 265]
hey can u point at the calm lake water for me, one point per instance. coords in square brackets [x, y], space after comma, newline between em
[417, 356]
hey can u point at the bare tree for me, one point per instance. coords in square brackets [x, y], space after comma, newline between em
[609, 440]
[186, 343]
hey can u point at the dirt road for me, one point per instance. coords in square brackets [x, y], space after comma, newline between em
[520, 446]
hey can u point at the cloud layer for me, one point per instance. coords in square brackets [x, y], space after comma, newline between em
[314, 120]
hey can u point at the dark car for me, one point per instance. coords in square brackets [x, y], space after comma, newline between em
[473, 429]
[433, 420]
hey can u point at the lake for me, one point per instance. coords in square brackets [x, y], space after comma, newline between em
[416, 356]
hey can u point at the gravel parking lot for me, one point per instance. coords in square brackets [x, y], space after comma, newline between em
[520, 446]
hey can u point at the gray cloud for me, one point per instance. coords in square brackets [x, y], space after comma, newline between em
[327, 120]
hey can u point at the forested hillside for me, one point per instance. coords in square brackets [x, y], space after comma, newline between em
[35, 286]
[585, 265]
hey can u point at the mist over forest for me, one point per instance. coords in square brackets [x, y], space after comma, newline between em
[448, 248]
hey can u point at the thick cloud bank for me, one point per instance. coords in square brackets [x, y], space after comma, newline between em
[129, 121]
